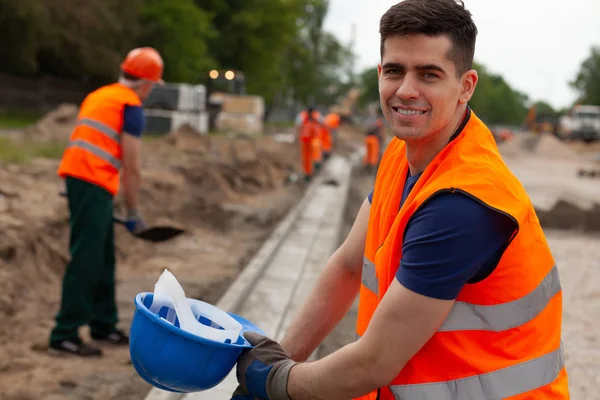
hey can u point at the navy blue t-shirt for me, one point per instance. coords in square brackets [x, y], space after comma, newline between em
[133, 120]
[451, 240]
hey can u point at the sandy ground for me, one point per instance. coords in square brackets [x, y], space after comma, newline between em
[229, 193]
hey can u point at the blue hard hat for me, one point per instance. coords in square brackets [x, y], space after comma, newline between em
[175, 360]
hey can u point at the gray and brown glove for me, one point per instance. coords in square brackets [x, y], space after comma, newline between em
[263, 371]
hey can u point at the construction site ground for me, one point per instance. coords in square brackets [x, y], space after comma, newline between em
[229, 193]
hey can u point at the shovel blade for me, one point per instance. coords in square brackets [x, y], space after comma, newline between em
[159, 233]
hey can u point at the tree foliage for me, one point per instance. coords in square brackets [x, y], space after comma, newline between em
[279, 45]
[495, 101]
[587, 81]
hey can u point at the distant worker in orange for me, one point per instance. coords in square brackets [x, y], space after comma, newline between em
[332, 122]
[374, 144]
[325, 141]
[309, 124]
[106, 138]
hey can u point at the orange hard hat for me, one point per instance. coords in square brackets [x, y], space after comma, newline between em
[144, 63]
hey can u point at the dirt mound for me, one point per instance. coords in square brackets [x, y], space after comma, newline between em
[540, 145]
[208, 174]
[187, 139]
[55, 125]
[549, 146]
[228, 192]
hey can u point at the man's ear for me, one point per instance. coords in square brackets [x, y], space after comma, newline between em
[469, 82]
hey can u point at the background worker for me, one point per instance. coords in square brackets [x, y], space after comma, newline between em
[374, 143]
[308, 125]
[459, 293]
[106, 138]
[332, 121]
[325, 141]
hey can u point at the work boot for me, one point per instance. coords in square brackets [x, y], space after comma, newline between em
[116, 337]
[75, 347]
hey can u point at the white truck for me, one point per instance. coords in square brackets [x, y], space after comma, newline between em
[581, 123]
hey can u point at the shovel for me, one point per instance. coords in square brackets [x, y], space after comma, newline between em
[158, 233]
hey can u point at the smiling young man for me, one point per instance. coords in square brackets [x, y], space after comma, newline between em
[459, 294]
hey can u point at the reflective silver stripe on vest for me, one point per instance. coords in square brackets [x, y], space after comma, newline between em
[99, 126]
[466, 316]
[506, 382]
[103, 154]
[369, 276]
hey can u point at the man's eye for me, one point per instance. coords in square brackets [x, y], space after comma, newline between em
[393, 71]
[429, 75]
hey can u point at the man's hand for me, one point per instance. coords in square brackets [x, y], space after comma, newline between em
[263, 371]
[134, 222]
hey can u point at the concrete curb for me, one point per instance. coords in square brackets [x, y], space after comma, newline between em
[244, 283]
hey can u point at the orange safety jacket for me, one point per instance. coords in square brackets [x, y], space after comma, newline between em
[93, 153]
[332, 121]
[502, 338]
[310, 129]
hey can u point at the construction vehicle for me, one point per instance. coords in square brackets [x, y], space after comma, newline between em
[539, 122]
[582, 122]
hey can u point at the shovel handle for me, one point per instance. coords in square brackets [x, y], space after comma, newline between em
[119, 220]
[115, 218]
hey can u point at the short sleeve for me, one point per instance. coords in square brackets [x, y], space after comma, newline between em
[133, 120]
[448, 242]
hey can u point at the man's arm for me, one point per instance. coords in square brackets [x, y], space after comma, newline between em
[132, 177]
[133, 124]
[333, 294]
[401, 325]
[449, 241]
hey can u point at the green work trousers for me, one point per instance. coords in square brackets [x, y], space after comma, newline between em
[88, 289]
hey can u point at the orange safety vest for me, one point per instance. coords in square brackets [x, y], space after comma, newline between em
[310, 130]
[93, 153]
[332, 121]
[502, 338]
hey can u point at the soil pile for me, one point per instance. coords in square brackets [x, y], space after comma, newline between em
[55, 125]
[229, 192]
[540, 145]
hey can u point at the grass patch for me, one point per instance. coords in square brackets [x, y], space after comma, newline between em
[279, 125]
[23, 151]
[16, 119]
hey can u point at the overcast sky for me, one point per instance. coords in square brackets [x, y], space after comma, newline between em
[536, 45]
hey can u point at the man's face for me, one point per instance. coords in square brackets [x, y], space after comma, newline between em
[418, 85]
[146, 89]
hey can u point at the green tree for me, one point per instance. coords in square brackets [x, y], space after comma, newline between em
[495, 101]
[254, 37]
[369, 86]
[318, 64]
[587, 81]
[544, 108]
[23, 21]
[179, 30]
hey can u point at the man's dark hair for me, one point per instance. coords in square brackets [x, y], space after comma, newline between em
[434, 18]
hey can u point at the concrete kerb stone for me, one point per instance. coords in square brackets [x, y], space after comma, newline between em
[232, 299]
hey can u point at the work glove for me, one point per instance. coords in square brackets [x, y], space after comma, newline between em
[134, 222]
[263, 371]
